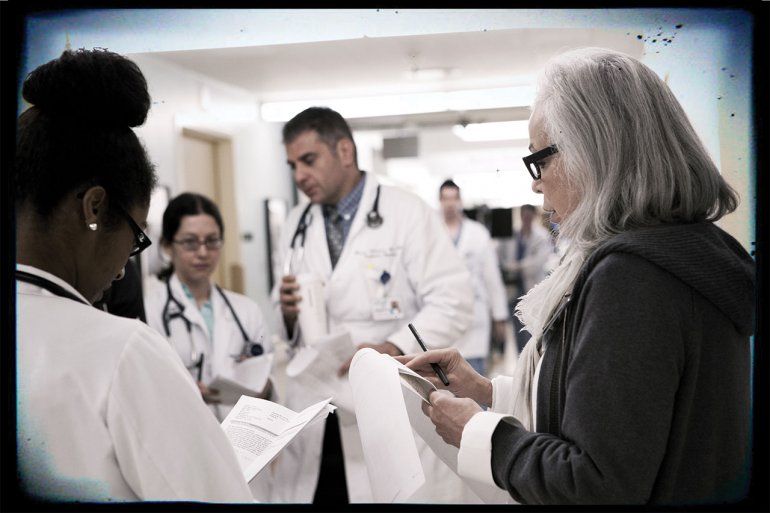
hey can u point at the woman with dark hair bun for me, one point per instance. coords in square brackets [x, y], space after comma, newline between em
[106, 411]
[216, 332]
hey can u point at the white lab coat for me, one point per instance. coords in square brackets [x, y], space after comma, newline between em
[433, 289]
[106, 411]
[475, 246]
[227, 341]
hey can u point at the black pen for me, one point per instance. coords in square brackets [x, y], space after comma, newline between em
[436, 368]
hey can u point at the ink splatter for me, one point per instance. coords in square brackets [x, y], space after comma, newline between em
[679, 26]
[654, 40]
[719, 97]
[732, 115]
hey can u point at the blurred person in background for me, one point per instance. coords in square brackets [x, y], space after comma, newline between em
[526, 260]
[474, 244]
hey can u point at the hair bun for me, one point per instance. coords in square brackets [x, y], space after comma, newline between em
[90, 86]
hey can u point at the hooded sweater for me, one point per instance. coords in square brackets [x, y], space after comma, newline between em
[644, 391]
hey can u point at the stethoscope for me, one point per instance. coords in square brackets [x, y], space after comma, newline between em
[250, 348]
[45, 283]
[373, 220]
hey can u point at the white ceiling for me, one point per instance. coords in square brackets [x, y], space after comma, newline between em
[371, 66]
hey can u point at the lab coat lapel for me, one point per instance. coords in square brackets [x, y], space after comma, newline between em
[225, 333]
[316, 247]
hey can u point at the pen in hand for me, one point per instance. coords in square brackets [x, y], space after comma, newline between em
[436, 368]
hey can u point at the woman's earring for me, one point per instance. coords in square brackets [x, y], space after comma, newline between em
[92, 227]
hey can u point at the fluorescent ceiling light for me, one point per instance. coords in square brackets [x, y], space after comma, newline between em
[401, 104]
[497, 131]
[429, 74]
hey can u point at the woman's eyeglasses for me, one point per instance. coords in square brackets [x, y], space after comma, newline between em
[141, 240]
[534, 161]
[192, 244]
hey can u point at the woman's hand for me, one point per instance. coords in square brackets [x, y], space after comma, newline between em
[450, 414]
[210, 395]
[463, 380]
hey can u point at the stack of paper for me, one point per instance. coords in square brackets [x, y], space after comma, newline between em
[386, 417]
[258, 430]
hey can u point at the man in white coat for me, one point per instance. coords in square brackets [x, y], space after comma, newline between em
[385, 261]
[474, 244]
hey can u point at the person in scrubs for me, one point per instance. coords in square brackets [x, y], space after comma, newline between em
[106, 411]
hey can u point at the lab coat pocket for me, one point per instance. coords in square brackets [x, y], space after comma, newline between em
[379, 268]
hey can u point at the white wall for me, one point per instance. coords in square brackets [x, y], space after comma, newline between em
[182, 99]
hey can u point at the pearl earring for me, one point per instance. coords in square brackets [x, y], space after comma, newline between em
[92, 227]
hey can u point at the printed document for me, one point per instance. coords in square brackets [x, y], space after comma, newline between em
[258, 430]
[249, 378]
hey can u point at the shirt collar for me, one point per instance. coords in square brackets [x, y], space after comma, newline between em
[189, 295]
[347, 206]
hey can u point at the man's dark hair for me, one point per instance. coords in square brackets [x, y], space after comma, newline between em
[77, 134]
[529, 207]
[330, 126]
[448, 184]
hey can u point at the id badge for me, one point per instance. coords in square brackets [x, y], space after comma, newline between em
[386, 309]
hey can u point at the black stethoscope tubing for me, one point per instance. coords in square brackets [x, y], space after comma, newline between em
[45, 283]
[373, 220]
[256, 348]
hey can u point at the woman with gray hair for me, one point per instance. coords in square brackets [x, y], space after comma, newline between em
[635, 386]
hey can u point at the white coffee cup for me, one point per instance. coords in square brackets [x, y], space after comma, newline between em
[312, 308]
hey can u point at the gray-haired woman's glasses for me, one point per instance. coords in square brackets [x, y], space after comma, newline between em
[534, 161]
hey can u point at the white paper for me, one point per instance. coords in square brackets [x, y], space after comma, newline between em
[312, 311]
[390, 452]
[381, 401]
[249, 378]
[316, 368]
[258, 430]
[415, 383]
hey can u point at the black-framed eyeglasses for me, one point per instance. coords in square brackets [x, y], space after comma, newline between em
[534, 161]
[193, 244]
[141, 240]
